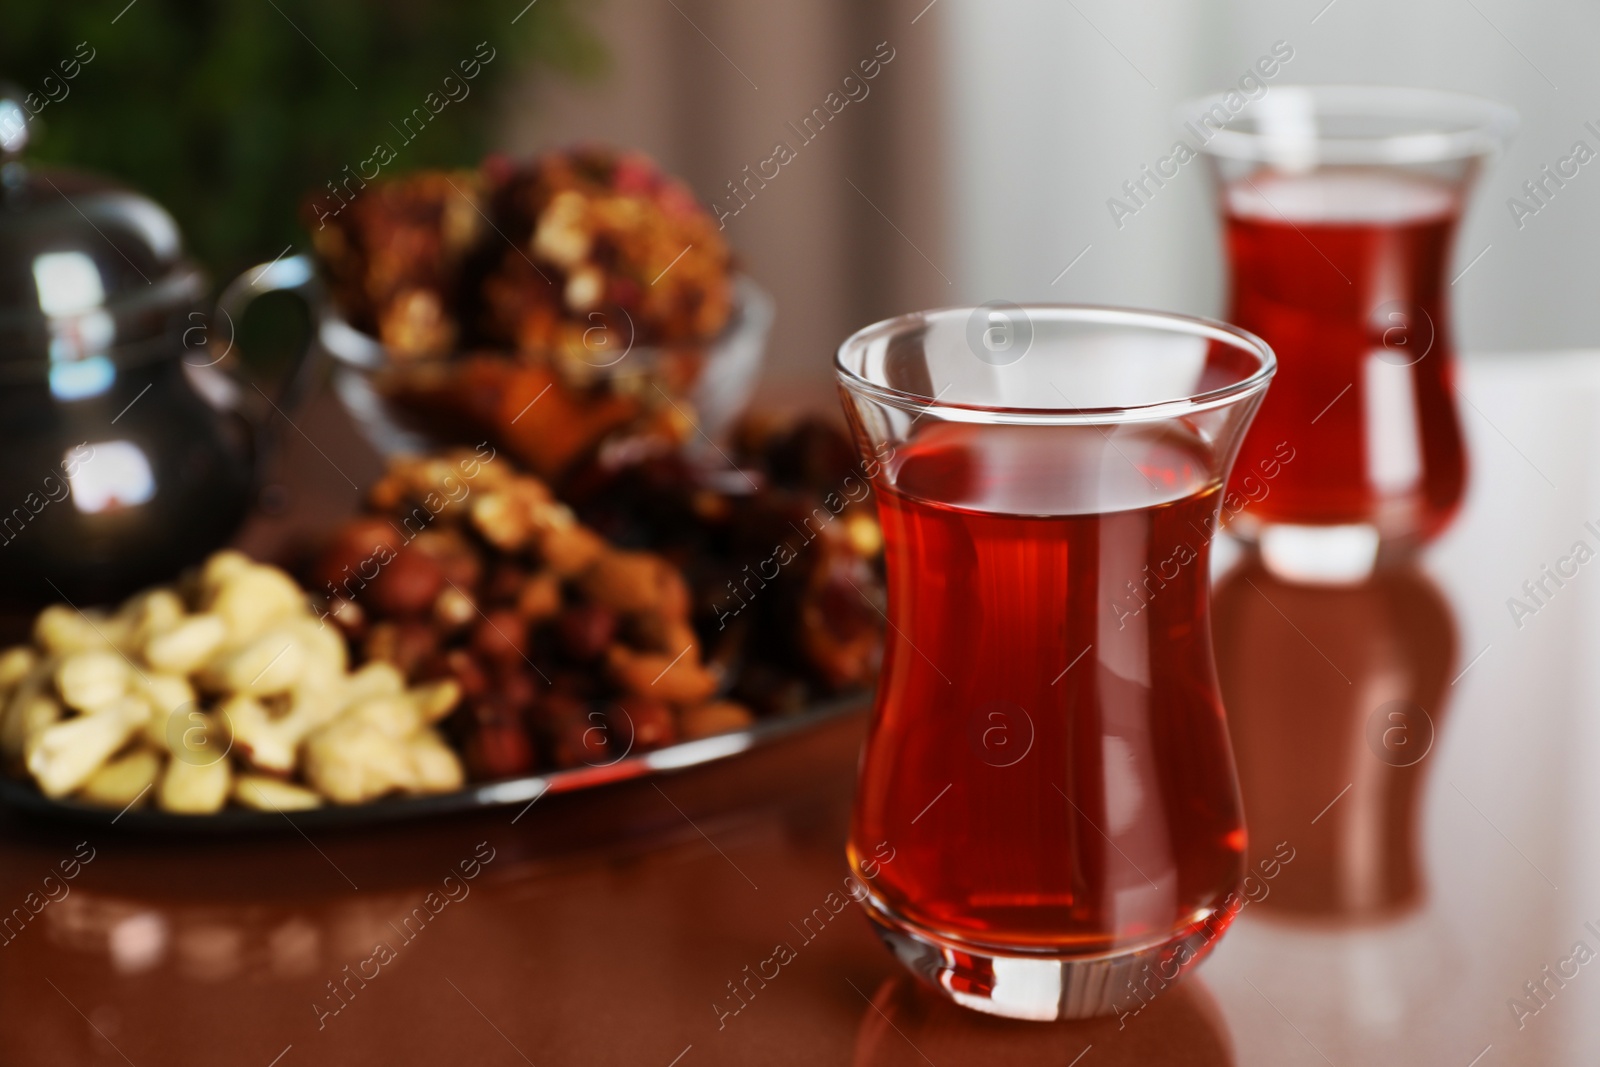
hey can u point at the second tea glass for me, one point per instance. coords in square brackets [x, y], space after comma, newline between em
[1047, 822]
[1341, 206]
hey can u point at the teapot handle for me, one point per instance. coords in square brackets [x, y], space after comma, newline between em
[221, 379]
[286, 274]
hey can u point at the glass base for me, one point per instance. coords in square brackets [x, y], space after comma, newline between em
[1320, 555]
[1039, 986]
[1331, 555]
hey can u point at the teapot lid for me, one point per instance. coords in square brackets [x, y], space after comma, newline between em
[88, 268]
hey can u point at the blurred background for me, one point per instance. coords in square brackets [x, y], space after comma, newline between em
[978, 165]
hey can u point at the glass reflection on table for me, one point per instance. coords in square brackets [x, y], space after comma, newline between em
[1335, 697]
[908, 1024]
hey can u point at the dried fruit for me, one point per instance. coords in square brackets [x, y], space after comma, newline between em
[717, 717]
[586, 630]
[540, 597]
[588, 650]
[501, 637]
[647, 721]
[407, 584]
[576, 733]
[498, 744]
[677, 680]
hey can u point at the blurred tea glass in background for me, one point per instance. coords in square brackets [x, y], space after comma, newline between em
[1341, 206]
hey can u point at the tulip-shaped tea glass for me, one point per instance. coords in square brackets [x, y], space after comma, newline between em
[1341, 205]
[1047, 823]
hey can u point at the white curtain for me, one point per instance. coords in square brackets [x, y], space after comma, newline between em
[1053, 104]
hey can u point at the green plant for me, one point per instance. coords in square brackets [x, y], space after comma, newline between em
[231, 113]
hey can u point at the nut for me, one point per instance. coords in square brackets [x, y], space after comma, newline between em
[27, 716]
[347, 614]
[374, 679]
[65, 754]
[63, 630]
[91, 680]
[311, 706]
[435, 768]
[269, 664]
[406, 644]
[393, 716]
[453, 609]
[560, 236]
[166, 694]
[252, 599]
[435, 700]
[350, 762]
[222, 567]
[194, 788]
[585, 287]
[124, 781]
[265, 793]
[187, 646]
[259, 738]
[327, 655]
[195, 737]
[15, 663]
[285, 699]
[504, 518]
[866, 537]
[151, 612]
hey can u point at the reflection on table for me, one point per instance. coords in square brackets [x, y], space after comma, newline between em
[1335, 696]
[907, 1024]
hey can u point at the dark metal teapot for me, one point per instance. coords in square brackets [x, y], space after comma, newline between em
[127, 447]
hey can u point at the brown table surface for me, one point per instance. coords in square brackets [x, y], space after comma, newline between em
[606, 928]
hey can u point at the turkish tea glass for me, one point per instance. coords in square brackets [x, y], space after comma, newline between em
[1047, 823]
[1341, 206]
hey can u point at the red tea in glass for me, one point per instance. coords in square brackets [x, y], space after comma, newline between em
[1349, 283]
[1340, 210]
[1048, 757]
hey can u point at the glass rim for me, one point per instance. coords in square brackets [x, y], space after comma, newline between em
[1486, 126]
[1127, 318]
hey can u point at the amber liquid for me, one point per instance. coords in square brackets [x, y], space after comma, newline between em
[1343, 273]
[1048, 756]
